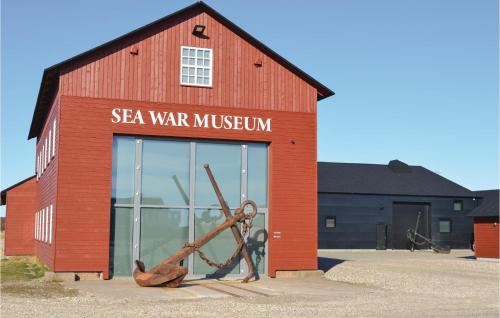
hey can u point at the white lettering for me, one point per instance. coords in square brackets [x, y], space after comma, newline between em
[116, 115]
[198, 122]
[264, 126]
[182, 119]
[156, 117]
[138, 117]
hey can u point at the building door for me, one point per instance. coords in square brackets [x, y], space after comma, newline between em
[162, 198]
[404, 217]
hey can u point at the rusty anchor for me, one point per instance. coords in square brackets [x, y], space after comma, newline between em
[170, 272]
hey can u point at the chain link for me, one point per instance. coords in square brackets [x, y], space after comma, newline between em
[246, 229]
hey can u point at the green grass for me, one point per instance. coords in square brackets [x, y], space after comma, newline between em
[21, 268]
[22, 277]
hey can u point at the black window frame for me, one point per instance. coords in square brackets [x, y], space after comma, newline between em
[331, 217]
[461, 205]
[450, 225]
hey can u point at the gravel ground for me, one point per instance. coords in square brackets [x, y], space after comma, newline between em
[386, 284]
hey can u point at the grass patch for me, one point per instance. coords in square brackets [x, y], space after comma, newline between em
[23, 277]
[21, 268]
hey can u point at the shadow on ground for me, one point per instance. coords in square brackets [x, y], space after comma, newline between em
[327, 263]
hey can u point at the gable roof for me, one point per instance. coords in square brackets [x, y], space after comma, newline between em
[488, 205]
[3, 194]
[50, 78]
[396, 178]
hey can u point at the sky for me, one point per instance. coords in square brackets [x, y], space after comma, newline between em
[414, 80]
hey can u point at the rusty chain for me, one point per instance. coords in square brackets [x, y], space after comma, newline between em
[246, 228]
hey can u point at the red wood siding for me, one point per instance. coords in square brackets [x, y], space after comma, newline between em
[486, 237]
[153, 74]
[20, 219]
[84, 182]
[47, 184]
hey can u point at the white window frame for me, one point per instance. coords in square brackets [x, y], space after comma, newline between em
[49, 147]
[50, 223]
[44, 154]
[36, 225]
[54, 138]
[210, 67]
[41, 225]
[46, 224]
[37, 166]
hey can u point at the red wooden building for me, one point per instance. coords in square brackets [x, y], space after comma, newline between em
[124, 129]
[486, 234]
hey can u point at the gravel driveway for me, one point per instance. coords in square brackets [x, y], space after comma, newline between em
[360, 284]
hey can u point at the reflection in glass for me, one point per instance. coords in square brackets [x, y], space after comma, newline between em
[120, 252]
[256, 242]
[218, 249]
[122, 186]
[257, 174]
[165, 172]
[225, 163]
[163, 232]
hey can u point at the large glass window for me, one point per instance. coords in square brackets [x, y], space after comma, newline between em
[162, 198]
[257, 174]
[122, 190]
[163, 232]
[120, 252]
[165, 173]
[225, 164]
[218, 249]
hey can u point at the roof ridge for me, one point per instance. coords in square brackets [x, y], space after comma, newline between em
[51, 73]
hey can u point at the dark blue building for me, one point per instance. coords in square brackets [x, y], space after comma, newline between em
[372, 206]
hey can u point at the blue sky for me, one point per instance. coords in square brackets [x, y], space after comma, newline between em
[414, 80]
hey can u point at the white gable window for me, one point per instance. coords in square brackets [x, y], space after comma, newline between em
[196, 66]
[50, 146]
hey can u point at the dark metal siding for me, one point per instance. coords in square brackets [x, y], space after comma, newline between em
[357, 216]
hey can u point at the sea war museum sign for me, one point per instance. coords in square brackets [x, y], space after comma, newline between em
[179, 119]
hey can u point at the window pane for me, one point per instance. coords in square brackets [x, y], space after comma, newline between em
[165, 172]
[199, 62]
[163, 232]
[122, 188]
[445, 226]
[184, 71]
[257, 242]
[207, 54]
[206, 72]
[191, 70]
[458, 205]
[225, 163]
[218, 249]
[199, 80]
[120, 252]
[192, 52]
[191, 61]
[199, 53]
[206, 62]
[330, 222]
[185, 52]
[257, 174]
[185, 79]
[206, 81]
[191, 79]
[185, 61]
[199, 72]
